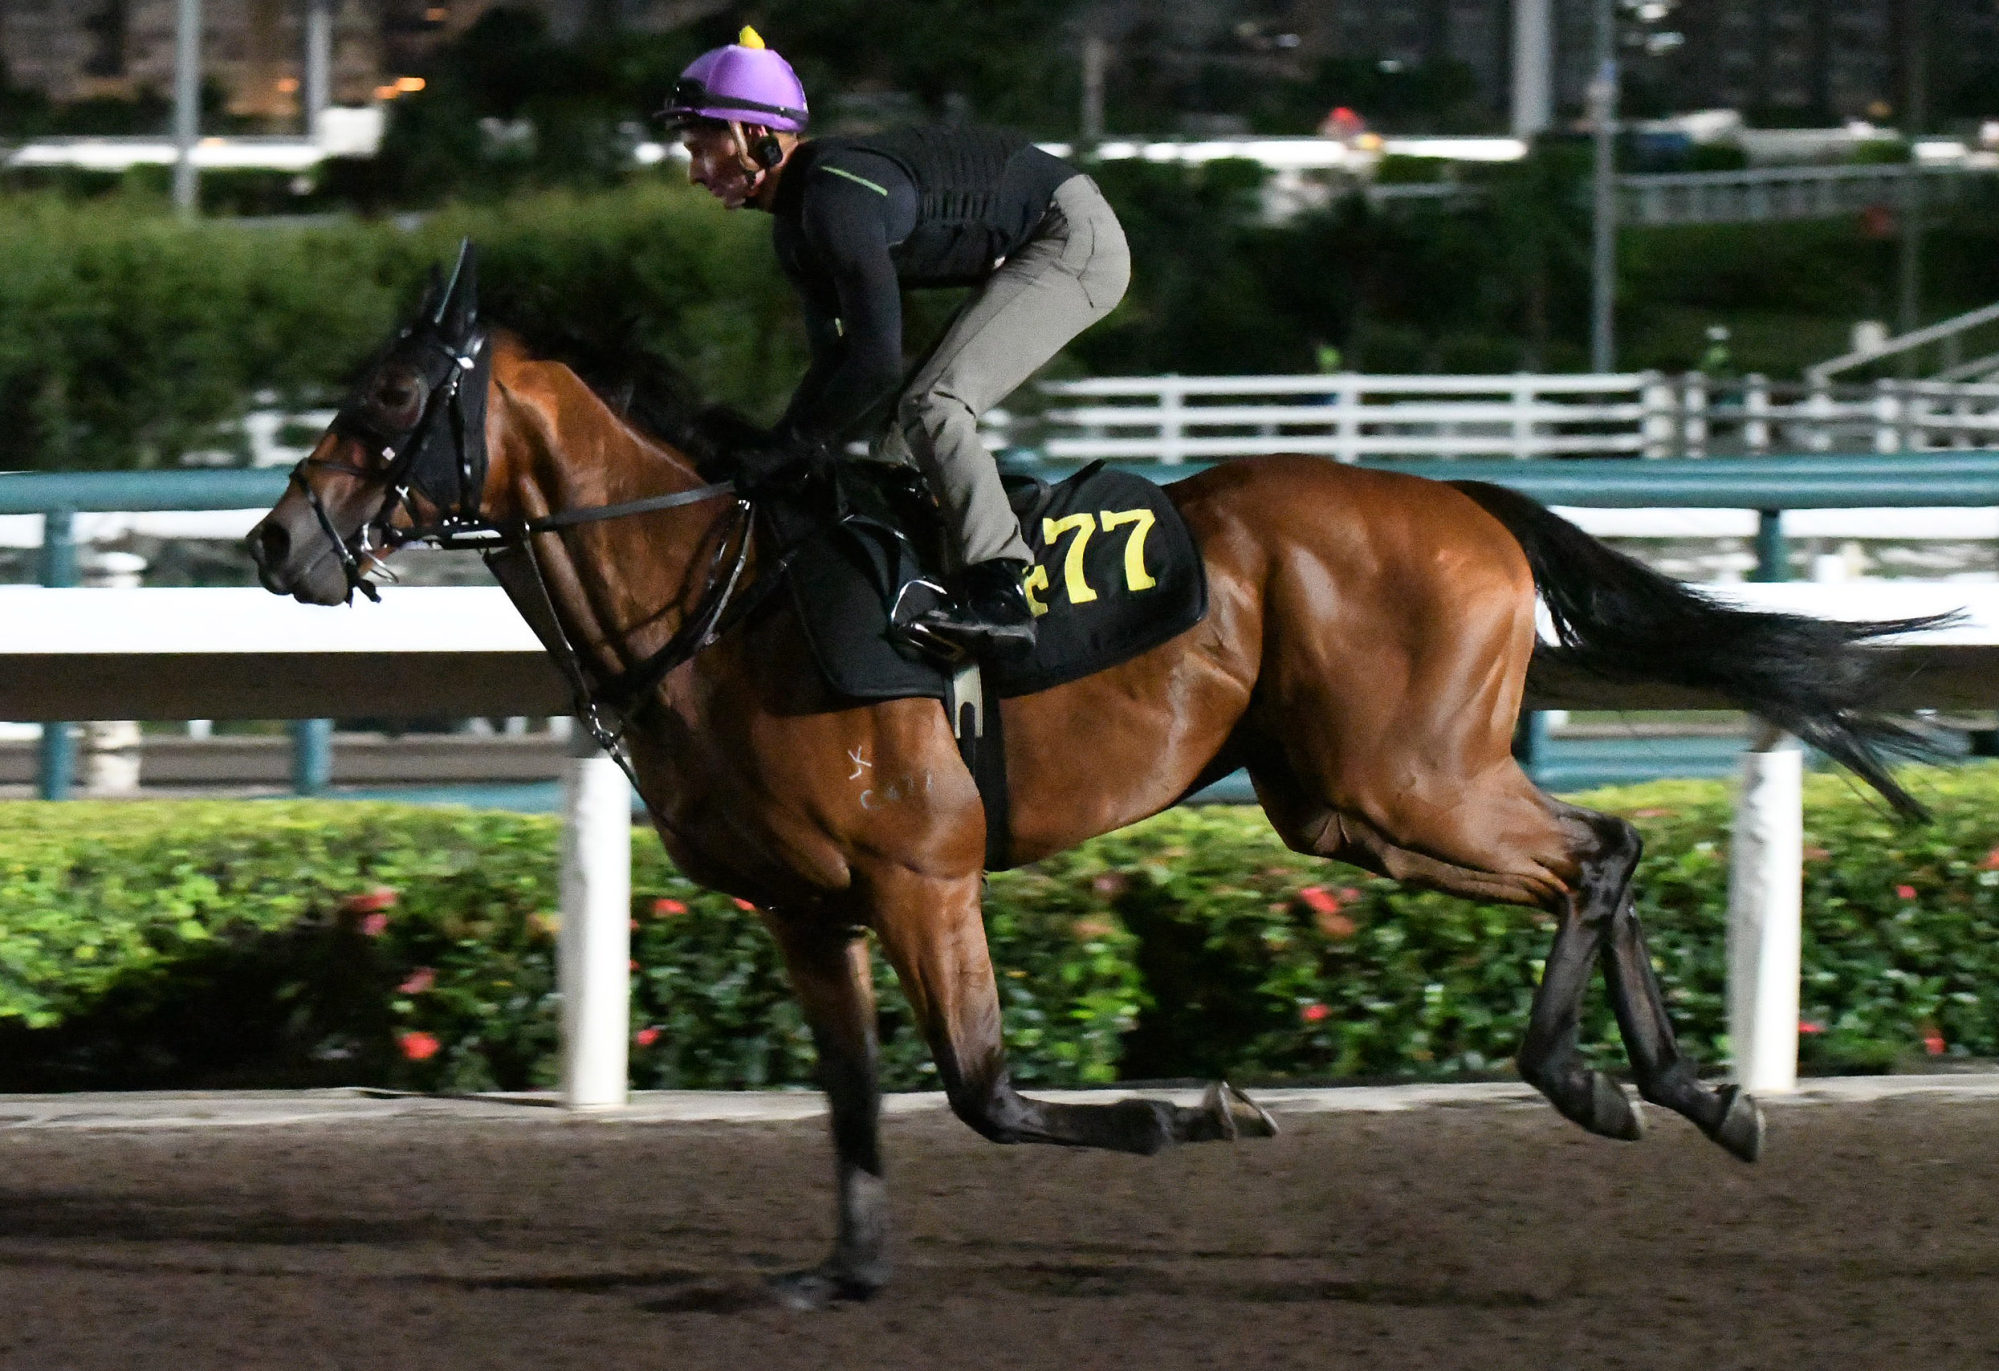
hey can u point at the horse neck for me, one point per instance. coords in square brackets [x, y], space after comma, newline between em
[621, 586]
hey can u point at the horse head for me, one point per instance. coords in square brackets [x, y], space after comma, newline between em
[406, 451]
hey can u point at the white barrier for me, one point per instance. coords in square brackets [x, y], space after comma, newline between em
[595, 946]
[207, 652]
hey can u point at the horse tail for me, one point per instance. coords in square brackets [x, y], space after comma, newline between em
[1617, 619]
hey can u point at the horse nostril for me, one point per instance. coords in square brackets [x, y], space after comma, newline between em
[273, 544]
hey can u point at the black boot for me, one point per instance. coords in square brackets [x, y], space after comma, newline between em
[989, 614]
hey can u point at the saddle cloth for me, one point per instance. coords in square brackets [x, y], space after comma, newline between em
[1116, 573]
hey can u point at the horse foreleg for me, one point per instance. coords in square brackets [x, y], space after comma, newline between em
[828, 965]
[932, 933]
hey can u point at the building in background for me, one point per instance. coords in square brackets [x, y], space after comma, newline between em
[1778, 61]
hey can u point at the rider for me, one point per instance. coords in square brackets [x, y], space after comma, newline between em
[857, 218]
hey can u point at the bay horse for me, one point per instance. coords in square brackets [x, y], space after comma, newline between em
[1364, 655]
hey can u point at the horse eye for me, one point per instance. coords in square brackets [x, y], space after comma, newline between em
[396, 394]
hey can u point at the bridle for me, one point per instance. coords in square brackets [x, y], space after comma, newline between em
[440, 458]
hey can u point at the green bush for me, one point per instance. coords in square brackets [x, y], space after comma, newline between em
[314, 943]
[229, 943]
[127, 337]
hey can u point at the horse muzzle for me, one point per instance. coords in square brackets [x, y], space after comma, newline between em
[294, 557]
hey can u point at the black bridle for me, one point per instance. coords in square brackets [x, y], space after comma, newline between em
[440, 458]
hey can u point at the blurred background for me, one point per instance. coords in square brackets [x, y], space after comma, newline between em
[1750, 245]
[1410, 229]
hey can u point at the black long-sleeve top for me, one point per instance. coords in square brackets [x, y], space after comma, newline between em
[859, 218]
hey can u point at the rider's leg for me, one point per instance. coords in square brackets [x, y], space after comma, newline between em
[1071, 274]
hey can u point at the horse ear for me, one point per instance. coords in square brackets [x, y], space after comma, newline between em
[460, 307]
[433, 294]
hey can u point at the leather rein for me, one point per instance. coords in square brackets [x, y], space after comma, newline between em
[442, 459]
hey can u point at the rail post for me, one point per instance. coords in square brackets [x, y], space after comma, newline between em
[1773, 552]
[312, 756]
[1657, 425]
[594, 950]
[1172, 433]
[1765, 914]
[56, 763]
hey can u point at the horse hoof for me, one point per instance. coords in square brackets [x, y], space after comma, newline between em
[1741, 1127]
[819, 1288]
[1235, 1114]
[1612, 1113]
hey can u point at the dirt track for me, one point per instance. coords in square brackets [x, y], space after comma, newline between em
[1489, 1237]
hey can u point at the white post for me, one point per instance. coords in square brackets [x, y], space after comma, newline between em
[1346, 419]
[1524, 396]
[1756, 405]
[593, 969]
[1533, 67]
[1171, 402]
[1887, 417]
[1657, 424]
[1765, 914]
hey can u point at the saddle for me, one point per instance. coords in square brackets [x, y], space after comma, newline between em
[1116, 573]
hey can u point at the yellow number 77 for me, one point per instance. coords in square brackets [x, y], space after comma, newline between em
[1083, 525]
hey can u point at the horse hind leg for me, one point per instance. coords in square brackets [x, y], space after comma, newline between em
[1664, 1075]
[1501, 841]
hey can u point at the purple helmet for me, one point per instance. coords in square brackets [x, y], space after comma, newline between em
[744, 82]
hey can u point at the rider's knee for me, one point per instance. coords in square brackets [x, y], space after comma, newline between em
[933, 412]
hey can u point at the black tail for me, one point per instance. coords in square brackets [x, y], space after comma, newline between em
[1617, 619]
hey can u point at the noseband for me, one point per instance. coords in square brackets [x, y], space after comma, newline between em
[441, 457]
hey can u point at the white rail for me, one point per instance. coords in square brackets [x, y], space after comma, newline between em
[1347, 416]
[201, 643]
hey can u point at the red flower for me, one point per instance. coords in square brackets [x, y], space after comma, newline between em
[1807, 1026]
[369, 901]
[662, 908]
[421, 979]
[1933, 1042]
[1325, 907]
[1319, 900]
[1313, 1012]
[745, 906]
[1905, 892]
[634, 964]
[375, 925]
[1991, 862]
[419, 1047]
[646, 1037]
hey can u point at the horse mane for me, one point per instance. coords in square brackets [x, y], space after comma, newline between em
[638, 385]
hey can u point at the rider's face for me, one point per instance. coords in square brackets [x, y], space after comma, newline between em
[716, 164]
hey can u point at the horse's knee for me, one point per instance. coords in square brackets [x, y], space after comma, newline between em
[989, 1108]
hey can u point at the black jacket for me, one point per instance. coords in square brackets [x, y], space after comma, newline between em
[859, 218]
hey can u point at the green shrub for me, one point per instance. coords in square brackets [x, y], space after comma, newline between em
[127, 337]
[175, 943]
[204, 943]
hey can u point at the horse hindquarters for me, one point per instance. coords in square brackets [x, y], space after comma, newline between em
[1398, 633]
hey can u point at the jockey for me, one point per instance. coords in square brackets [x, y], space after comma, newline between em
[856, 219]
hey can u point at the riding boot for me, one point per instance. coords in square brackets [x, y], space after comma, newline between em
[989, 615]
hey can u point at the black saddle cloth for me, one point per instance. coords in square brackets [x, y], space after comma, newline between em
[1116, 573]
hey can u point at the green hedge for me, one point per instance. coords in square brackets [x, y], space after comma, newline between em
[191, 943]
[127, 337]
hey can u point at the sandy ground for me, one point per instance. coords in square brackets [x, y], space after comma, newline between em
[1485, 1233]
